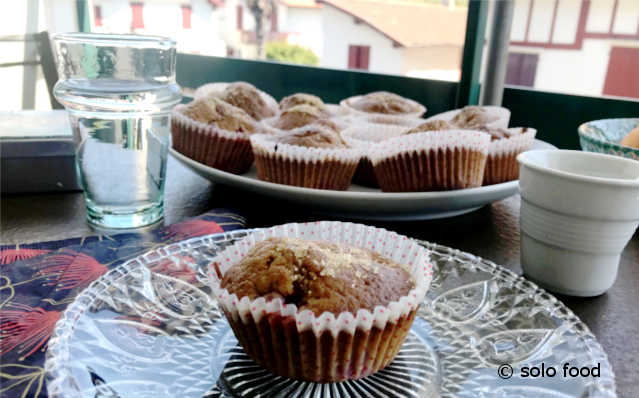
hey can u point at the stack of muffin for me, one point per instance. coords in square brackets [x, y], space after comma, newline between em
[376, 140]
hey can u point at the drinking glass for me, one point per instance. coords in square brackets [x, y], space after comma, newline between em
[119, 91]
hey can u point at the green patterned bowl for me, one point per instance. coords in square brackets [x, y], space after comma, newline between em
[604, 136]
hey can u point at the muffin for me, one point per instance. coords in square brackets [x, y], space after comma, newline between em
[505, 145]
[312, 156]
[384, 103]
[245, 96]
[214, 133]
[472, 117]
[431, 161]
[302, 99]
[324, 301]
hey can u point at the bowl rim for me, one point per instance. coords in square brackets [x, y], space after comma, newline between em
[524, 160]
[583, 133]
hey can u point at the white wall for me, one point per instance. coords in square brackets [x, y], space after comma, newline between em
[306, 26]
[340, 31]
[580, 72]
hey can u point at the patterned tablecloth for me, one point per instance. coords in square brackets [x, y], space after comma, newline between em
[38, 281]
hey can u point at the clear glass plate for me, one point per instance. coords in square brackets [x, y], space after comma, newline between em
[150, 329]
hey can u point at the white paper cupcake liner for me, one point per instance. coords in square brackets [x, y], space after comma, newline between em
[431, 161]
[502, 114]
[502, 165]
[215, 147]
[295, 343]
[336, 110]
[319, 168]
[391, 120]
[419, 108]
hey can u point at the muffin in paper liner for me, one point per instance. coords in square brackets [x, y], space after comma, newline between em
[221, 149]
[336, 110]
[330, 347]
[319, 168]
[501, 115]
[218, 88]
[362, 136]
[501, 164]
[431, 161]
[419, 109]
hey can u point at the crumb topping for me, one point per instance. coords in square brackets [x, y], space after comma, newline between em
[384, 102]
[472, 117]
[319, 276]
[248, 98]
[312, 136]
[294, 100]
[431, 125]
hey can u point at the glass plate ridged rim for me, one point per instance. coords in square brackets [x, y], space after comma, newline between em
[60, 381]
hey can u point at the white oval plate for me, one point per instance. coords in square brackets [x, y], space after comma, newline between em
[360, 202]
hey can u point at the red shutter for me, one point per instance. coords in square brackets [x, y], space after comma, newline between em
[364, 56]
[352, 57]
[97, 15]
[274, 19]
[622, 78]
[358, 57]
[137, 21]
[521, 69]
[239, 15]
[186, 17]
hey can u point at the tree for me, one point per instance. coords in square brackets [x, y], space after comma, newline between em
[261, 11]
[293, 53]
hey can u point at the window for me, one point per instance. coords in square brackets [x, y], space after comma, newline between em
[239, 11]
[274, 20]
[97, 15]
[137, 19]
[521, 69]
[622, 78]
[358, 57]
[186, 17]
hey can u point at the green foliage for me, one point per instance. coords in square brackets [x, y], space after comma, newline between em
[292, 53]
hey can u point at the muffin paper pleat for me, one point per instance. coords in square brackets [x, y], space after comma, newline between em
[320, 168]
[330, 347]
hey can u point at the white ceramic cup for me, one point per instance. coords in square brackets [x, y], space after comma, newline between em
[578, 212]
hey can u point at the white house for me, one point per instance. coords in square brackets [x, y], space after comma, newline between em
[396, 37]
[588, 47]
[195, 24]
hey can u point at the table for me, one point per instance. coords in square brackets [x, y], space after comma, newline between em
[491, 232]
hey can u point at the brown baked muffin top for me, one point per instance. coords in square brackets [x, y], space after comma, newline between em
[248, 98]
[431, 125]
[384, 102]
[214, 111]
[312, 136]
[473, 116]
[302, 99]
[497, 133]
[302, 115]
[318, 276]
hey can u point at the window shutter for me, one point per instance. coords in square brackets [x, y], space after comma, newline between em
[137, 22]
[364, 56]
[186, 17]
[239, 15]
[97, 15]
[274, 19]
[352, 57]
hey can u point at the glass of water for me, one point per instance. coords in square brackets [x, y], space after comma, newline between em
[119, 91]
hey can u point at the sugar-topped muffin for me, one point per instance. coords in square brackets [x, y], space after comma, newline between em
[431, 125]
[498, 133]
[385, 103]
[318, 276]
[302, 99]
[302, 115]
[211, 110]
[248, 98]
[473, 116]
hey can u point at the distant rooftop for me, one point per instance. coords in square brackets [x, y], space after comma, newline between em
[406, 23]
